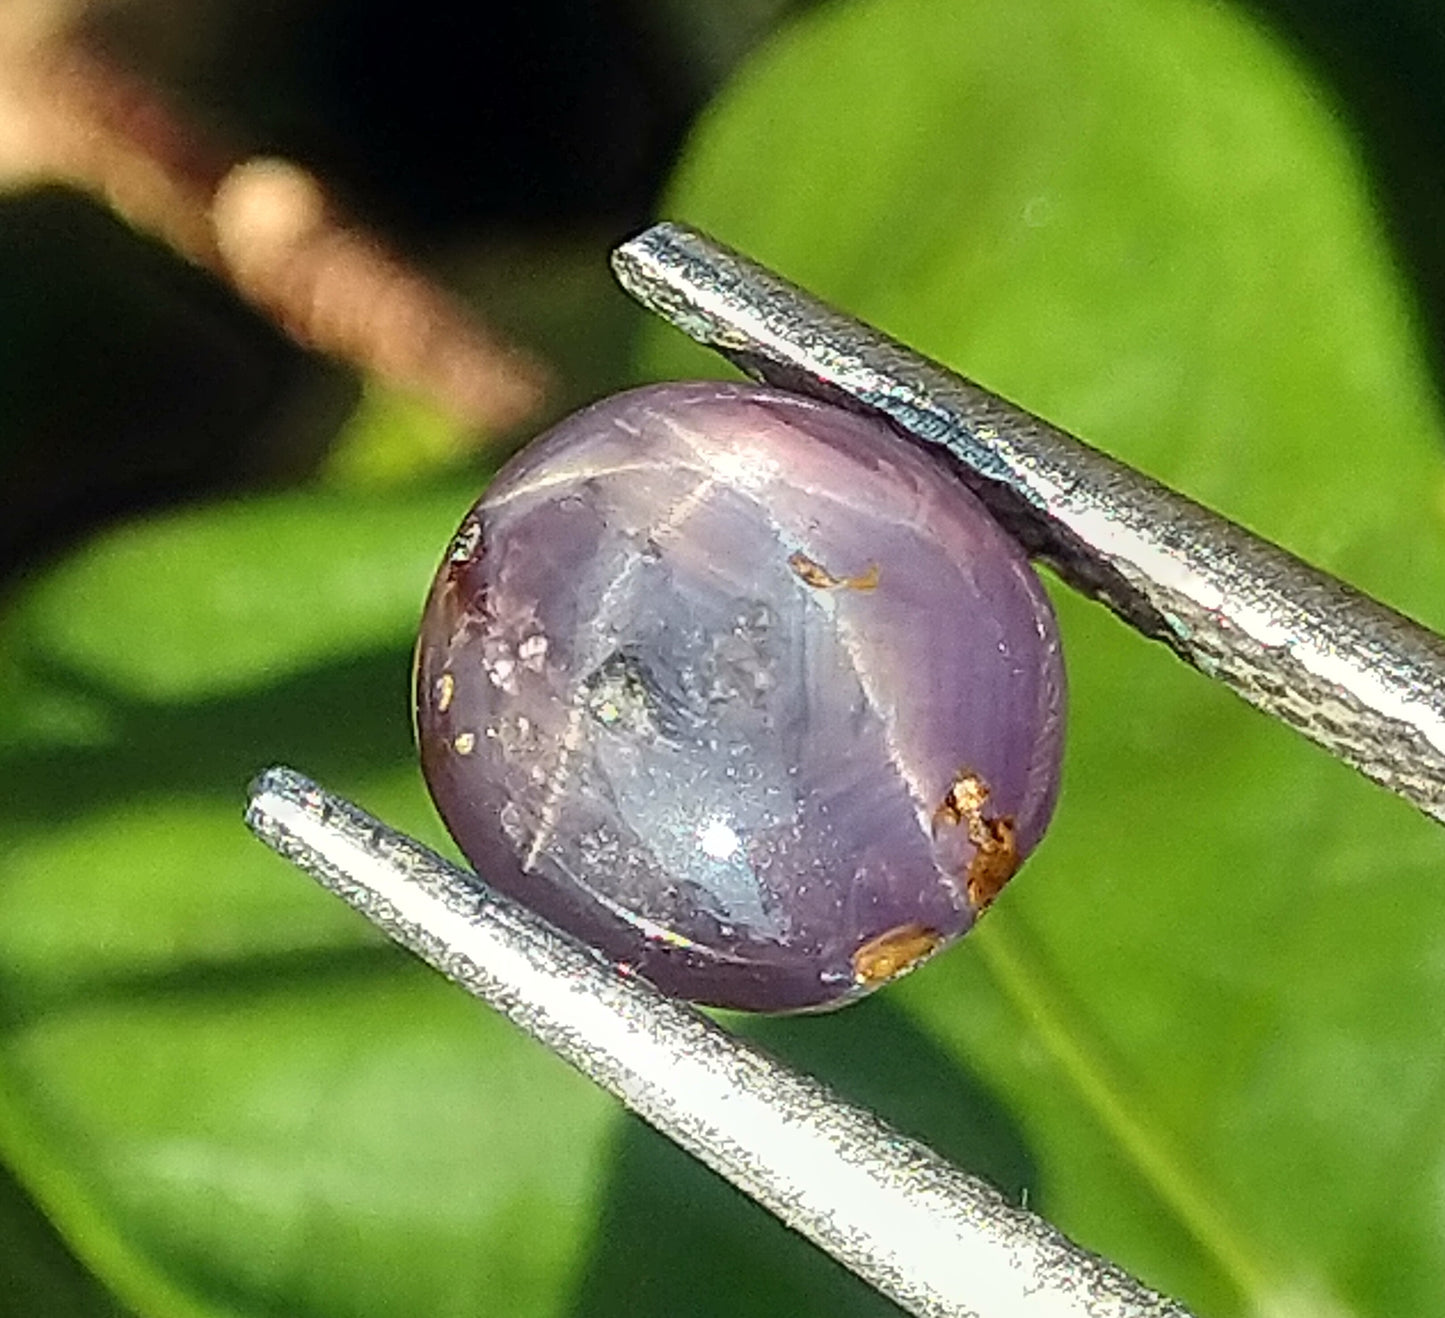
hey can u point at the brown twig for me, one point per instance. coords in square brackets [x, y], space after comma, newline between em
[265, 226]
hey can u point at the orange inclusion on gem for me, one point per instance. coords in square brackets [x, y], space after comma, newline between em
[890, 954]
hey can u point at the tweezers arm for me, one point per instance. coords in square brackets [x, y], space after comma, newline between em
[1363, 681]
[936, 1240]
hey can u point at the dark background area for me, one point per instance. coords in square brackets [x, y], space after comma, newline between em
[518, 131]
[502, 144]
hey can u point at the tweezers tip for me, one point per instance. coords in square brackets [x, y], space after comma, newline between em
[640, 256]
[271, 787]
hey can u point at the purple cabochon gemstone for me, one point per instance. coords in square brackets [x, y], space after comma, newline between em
[746, 691]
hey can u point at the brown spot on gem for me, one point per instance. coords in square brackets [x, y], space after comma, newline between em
[994, 863]
[995, 849]
[812, 573]
[891, 954]
[465, 543]
[867, 580]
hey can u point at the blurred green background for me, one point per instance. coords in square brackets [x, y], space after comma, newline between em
[1202, 1031]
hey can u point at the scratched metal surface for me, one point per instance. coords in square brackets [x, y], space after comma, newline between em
[1362, 680]
[938, 1241]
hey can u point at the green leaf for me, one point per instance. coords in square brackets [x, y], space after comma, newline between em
[41, 1276]
[393, 438]
[221, 1087]
[1213, 1001]
[350, 1143]
[180, 607]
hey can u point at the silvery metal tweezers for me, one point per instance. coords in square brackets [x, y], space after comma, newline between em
[1353, 675]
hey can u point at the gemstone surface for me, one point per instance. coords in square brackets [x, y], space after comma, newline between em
[746, 691]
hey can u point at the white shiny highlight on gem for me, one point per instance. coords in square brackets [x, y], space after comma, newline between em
[718, 840]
